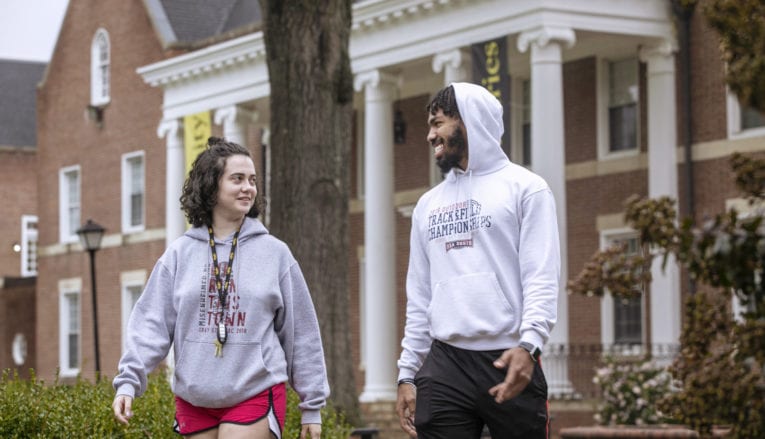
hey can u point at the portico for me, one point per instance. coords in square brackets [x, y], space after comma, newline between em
[401, 49]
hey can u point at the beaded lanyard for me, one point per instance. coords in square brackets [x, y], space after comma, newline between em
[222, 288]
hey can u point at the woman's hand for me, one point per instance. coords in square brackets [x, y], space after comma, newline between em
[122, 407]
[312, 431]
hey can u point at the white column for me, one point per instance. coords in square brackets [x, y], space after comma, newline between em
[665, 312]
[379, 236]
[548, 159]
[452, 63]
[175, 222]
[235, 120]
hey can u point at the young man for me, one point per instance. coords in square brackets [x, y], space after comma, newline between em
[482, 284]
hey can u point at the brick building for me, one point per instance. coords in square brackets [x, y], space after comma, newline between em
[596, 105]
[18, 192]
[100, 158]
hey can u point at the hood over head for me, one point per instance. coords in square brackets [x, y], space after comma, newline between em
[481, 113]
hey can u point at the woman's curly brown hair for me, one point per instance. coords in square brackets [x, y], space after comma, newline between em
[200, 191]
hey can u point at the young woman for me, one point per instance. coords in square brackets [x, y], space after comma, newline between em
[233, 303]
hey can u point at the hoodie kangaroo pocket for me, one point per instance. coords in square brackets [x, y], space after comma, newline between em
[205, 380]
[469, 306]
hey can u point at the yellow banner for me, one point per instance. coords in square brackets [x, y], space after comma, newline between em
[196, 131]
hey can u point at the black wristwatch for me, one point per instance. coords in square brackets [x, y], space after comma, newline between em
[534, 351]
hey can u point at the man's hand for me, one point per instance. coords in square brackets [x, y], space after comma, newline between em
[312, 431]
[122, 407]
[407, 400]
[520, 367]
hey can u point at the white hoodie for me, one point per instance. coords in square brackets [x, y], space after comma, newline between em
[484, 261]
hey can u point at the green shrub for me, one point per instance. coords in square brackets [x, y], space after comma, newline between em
[333, 424]
[32, 409]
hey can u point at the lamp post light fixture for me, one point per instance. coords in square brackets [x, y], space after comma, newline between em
[90, 237]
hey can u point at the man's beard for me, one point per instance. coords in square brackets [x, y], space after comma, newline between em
[454, 150]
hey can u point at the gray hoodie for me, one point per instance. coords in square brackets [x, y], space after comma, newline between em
[484, 261]
[273, 333]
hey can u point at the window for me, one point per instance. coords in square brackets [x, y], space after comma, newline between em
[619, 96]
[743, 121]
[751, 118]
[132, 286]
[133, 192]
[99, 69]
[28, 245]
[69, 203]
[622, 319]
[69, 327]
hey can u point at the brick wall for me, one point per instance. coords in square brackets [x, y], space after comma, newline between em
[66, 136]
[580, 114]
[17, 317]
[707, 81]
[18, 193]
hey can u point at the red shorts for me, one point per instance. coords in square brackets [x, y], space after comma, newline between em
[190, 419]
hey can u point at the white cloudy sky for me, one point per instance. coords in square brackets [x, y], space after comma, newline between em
[29, 28]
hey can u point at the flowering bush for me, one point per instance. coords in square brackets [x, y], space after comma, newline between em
[631, 391]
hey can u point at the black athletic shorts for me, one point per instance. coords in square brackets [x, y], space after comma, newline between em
[453, 400]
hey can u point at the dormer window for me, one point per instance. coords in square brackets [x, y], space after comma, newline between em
[99, 69]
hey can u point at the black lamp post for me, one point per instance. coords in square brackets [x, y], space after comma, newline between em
[90, 237]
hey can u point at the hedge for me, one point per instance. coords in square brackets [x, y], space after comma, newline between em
[29, 408]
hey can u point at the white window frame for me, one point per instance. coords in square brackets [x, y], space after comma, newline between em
[603, 102]
[65, 222]
[129, 281]
[100, 69]
[28, 245]
[607, 318]
[735, 131]
[69, 288]
[127, 184]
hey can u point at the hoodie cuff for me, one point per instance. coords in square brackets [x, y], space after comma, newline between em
[127, 390]
[311, 417]
[534, 338]
[406, 374]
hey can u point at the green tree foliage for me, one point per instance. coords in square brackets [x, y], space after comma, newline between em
[741, 26]
[721, 365]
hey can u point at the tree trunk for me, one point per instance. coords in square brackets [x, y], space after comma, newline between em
[311, 115]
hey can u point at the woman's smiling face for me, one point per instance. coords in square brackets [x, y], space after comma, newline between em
[236, 187]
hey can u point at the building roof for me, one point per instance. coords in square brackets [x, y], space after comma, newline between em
[18, 93]
[183, 23]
